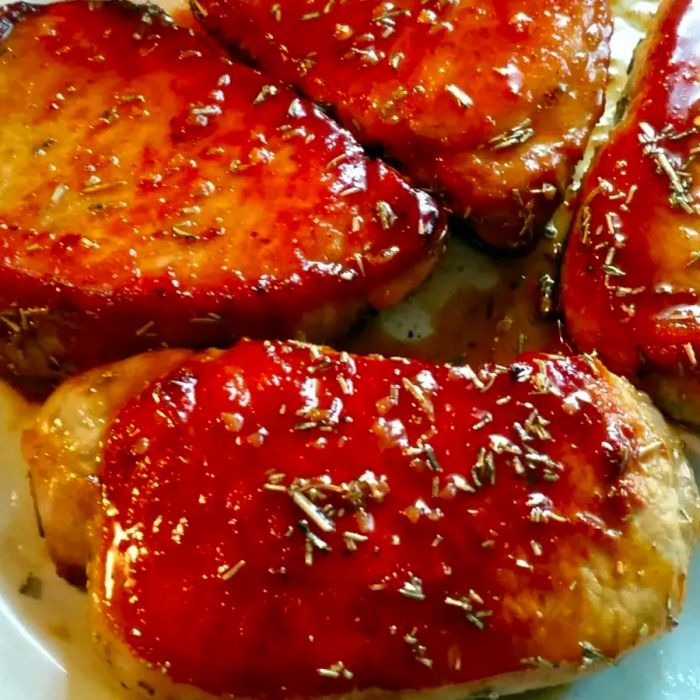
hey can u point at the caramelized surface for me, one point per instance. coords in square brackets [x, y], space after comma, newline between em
[319, 522]
[631, 275]
[152, 191]
[490, 103]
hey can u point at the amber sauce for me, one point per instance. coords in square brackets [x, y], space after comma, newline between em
[479, 307]
[507, 313]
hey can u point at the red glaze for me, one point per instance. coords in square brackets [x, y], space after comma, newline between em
[152, 191]
[631, 275]
[196, 474]
[442, 85]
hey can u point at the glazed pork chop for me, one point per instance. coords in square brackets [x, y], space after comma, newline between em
[631, 275]
[282, 520]
[153, 192]
[490, 103]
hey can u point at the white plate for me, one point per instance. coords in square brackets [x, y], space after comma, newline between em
[45, 650]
